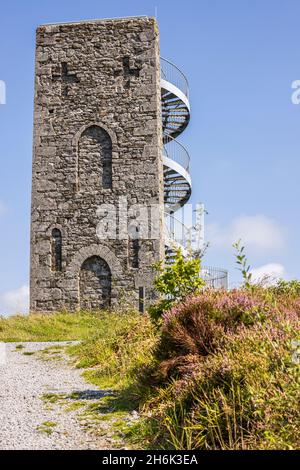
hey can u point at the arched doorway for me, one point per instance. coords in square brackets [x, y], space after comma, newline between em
[95, 284]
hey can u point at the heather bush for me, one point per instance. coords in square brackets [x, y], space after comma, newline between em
[201, 324]
[290, 288]
[223, 375]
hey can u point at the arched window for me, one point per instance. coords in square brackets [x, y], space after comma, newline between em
[56, 250]
[95, 284]
[94, 159]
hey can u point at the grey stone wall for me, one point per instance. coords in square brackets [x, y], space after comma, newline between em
[97, 137]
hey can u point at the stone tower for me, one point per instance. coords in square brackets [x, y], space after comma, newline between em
[97, 153]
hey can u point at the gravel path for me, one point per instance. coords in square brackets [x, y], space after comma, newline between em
[24, 379]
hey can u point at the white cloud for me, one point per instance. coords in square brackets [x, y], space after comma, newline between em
[15, 301]
[257, 232]
[268, 273]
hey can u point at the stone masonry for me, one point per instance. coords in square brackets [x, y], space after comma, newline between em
[97, 138]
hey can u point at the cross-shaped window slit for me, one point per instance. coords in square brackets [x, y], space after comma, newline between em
[66, 77]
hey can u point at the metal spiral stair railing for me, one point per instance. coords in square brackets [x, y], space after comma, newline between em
[178, 235]
[177, 180]
[175, 118]
[175, 100]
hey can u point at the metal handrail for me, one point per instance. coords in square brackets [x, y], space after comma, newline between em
[181, 236]
[214, 277]
[177, 231]
[177, 152]
[171, 73]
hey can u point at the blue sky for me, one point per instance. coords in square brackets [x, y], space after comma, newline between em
[241, 58]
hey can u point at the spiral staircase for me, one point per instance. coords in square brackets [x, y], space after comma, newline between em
[176, 160]
[175, 118]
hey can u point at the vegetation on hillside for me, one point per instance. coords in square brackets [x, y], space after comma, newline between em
[209, 369]
[223, 375]
[118, 350]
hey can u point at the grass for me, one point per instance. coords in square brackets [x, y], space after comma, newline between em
[61, 326]
[73, 406]
[53, 353]
[117, 351]
[69, 402]
[217, 374]
[47, 427]
[53, 397]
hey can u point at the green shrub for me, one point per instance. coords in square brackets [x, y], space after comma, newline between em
[176, 281]
[242, 262]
